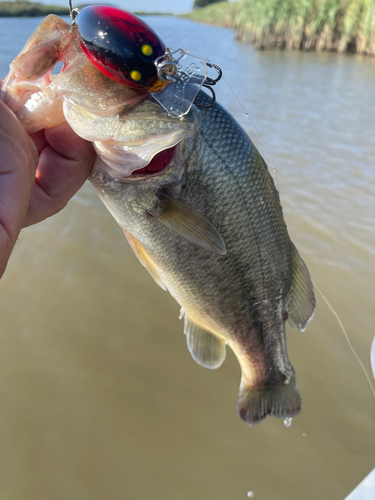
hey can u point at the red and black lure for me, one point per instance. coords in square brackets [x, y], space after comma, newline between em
[121, 46]
[127, 50]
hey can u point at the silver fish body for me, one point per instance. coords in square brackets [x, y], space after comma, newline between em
[210, 229]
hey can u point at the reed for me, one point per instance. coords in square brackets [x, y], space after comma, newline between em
[334, 25]
[221, 13]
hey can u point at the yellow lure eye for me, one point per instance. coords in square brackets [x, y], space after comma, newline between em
[135, 75]
[146, 50]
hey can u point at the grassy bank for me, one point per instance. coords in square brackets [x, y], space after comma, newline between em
[334, 25]
[32, 9]
[29, 9]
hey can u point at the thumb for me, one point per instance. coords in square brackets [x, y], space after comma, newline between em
[18, 162]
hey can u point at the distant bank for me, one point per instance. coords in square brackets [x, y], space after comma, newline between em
[333, 25]
[32, 9]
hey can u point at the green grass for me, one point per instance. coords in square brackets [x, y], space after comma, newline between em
[29, 9]
[335, 25]
[222, 14]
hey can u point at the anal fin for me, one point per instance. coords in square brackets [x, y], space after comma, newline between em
[144, 258]
[205, 348]
[301, 304]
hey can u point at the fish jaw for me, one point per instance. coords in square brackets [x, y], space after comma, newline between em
[124, 147]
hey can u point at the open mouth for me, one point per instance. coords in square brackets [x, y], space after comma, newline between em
[157, 164]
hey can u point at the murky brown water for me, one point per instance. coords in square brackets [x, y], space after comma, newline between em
[100, 397]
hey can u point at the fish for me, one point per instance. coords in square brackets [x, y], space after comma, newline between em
[197, 204]
[209, 229]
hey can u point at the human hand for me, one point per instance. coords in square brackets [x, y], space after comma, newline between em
[38, 175]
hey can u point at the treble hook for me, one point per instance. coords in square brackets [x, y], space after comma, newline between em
[209, 82]
[200, 106]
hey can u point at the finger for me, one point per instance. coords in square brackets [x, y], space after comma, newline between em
[40, 141]
[18, 161]
[65, 162]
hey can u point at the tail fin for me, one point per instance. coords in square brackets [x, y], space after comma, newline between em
[279, 400]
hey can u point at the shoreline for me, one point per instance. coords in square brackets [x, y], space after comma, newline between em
[268, 24]
[30, 9]
[33, 9]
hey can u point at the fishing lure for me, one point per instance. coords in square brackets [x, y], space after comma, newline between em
[123, 47]
[117, 43]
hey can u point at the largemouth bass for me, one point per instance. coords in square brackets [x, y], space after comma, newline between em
[209, 228]
[192, 193]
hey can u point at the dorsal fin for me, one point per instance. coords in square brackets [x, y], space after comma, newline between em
[188, 223]
[144, 258]
[206, 348]
[301, 304]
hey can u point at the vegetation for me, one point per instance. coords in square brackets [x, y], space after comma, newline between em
[221, 14]
[198, 4]
[29, 9]
[142, 13]
[23, 8]
[335, 25]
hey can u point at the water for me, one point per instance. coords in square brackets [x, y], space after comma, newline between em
[100, 398]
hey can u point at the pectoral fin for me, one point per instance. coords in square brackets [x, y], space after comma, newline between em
[301, 304]
[190, 224]
[206, 349]
[144, 258]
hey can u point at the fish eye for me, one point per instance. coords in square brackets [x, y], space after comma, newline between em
[120, 45]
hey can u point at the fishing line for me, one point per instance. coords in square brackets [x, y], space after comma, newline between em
[347, 339]
[317, 288]
[256, 130]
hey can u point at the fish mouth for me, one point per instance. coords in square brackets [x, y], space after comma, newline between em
[139, 142]
[151, 143]
[157, 165]
[168, 161]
